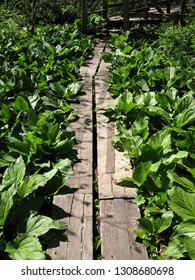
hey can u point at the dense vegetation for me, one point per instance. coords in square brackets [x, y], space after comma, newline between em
[45, 11]
[38, 81]
[154, 109]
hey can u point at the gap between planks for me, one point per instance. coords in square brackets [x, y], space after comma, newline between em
[118, 213]
[75, 208]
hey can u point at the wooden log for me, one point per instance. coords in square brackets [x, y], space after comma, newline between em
[84, 15]
[126, 14]
[157, 6]
[169, 6]
[105, 8]
[115, 5]
[143, 9]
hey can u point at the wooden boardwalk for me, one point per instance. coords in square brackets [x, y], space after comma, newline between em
[118, 213]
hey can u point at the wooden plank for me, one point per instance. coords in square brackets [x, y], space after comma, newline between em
[125, 14]
[109, 189]
[84, 15]
[77, 230]
[110, 153]
[76, 210]
[124, 249]
[87, 230]
[110, 161]
[105, 8]
[108, 234]
[96, 12]
[157, 6]
[77, 205]
[168, 6]
[118, 217]
[105, 186]
[138, 250]
[75, 225]
[138, 10]
[115, 5]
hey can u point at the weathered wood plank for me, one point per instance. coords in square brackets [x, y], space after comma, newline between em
[77, 205]
[110, 161]
[108, 189]
[78, 229]
[138, 250]
[125, 14]
[76, 212]
[87, 230]
[108, 234]
[105, 8]
[57, 249]
[124, 249]
[110, 153]
[84, 15]
[117, 219]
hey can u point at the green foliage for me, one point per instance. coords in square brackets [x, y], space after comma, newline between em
[38, 81]
[96, 23]
[46, 11]
[153, 87]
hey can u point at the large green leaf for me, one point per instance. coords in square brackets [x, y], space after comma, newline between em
[65, 166]
[72, 90]
[14, 174]
[182, 240]
[141, 126]
[143, 84]
[146, 224]
[6, 203]
[164, 222]
[25, 247]
[125, 102]
[28, 207]
[141, 172]
[182, 203]
[6, 113]
[175, 157]
[185, 118]
[53, 132]
[33, 182]
[186, 183]
[175, 249]
[161, 139]
[21, 148]
[190, 246]
[186, 228]
[170, 72]
[22, 104]
[184, 103]
[59, 89]
[39, 225]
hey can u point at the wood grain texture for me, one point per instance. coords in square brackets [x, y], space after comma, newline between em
[75, 211]
[117, 219]
[75, 208]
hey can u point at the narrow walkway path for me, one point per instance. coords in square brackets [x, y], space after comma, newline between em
[98, 161]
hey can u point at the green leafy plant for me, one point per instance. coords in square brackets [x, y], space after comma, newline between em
[154, 105]
[38, 81]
